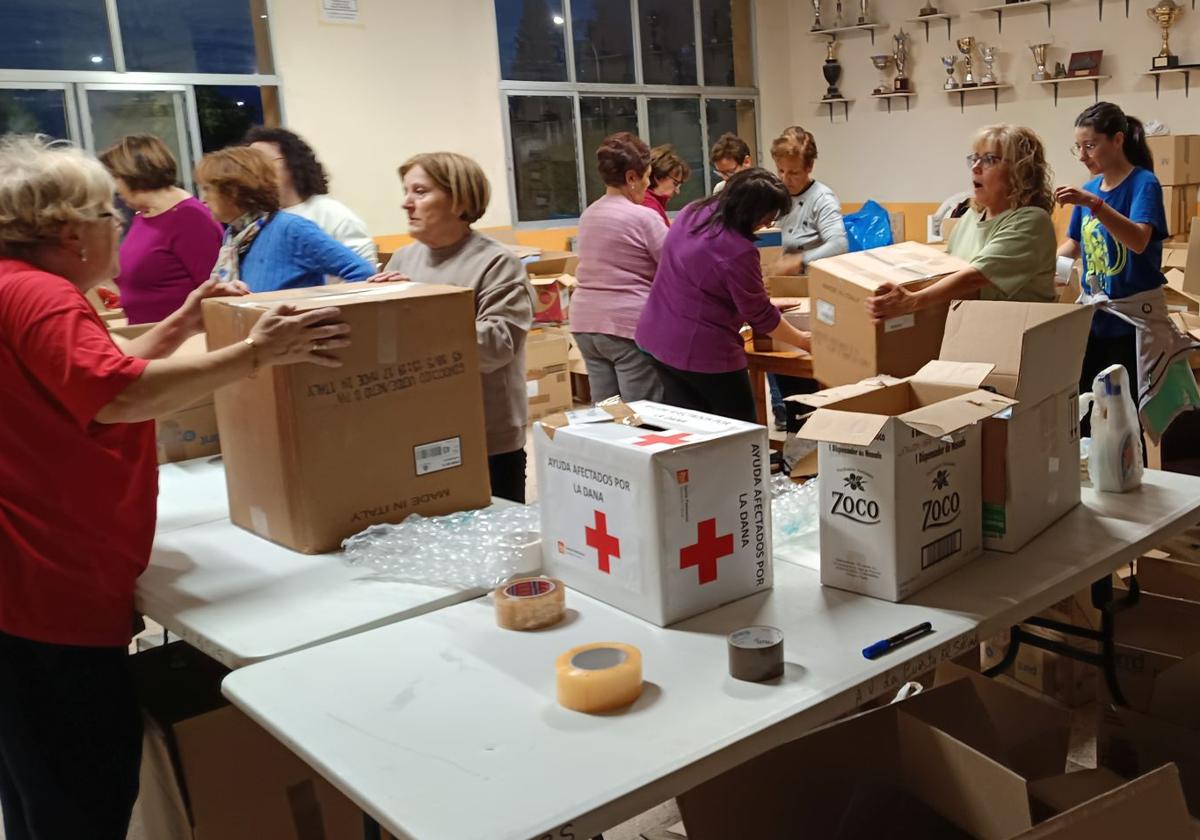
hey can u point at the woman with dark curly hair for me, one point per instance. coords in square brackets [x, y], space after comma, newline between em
[263, 248]
[304, 189]
[620, 241]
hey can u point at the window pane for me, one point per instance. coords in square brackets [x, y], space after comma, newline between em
[54, 35]
[728, 51]
[603, 33]
[533, 39]
[116, 113]
[735, 116]
[227, 112]
[677, 121]
[195, 36]
[33, 112]
[668, 42]
[602, 116]
[544, 172]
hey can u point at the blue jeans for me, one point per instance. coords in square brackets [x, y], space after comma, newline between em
[776, 395]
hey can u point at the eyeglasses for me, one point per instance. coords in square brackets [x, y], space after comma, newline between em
[986, 161]
[678, 183]
[1086, 147]
[724, 174]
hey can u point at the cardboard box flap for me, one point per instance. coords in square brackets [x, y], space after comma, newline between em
[829, 396]
[1036, 348]
[340, 294]
[567, 280]
[552, 263]
[907, 262]
[950, 415]
[609, 411]
[848, 427]
[948, 372]
[1063, 792]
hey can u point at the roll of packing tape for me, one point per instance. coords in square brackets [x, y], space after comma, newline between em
[530, 603]
[599, 677]
[756, 653]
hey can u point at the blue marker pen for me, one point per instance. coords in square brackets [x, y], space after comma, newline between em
[887, 645]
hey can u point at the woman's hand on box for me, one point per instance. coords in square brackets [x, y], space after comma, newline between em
[891, 301]
[389, 277]
[189, 314]
[285, 336]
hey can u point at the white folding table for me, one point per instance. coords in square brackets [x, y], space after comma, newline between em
[445, 727]
[191, 493]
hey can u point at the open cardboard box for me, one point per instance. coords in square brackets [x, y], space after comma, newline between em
[798, 315]
[552, 276]
[1031, 453]
[969, 758]
[900, 477]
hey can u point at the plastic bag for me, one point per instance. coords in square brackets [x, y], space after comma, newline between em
[794, 510]
[870, 227]
[475, 549]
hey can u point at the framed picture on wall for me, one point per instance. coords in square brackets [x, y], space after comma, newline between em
[1085, 63]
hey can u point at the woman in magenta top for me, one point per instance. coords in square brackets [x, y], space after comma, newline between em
[172, 245]
[709, 283]
[619, 244]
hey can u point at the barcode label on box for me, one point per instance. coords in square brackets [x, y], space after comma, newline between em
[939, 550]
[825, 312]
[437, 456]
[902, 323]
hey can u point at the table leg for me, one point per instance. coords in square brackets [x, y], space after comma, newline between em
[758, 384]
[370, 828]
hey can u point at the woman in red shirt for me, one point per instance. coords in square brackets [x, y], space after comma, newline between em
[668, 173]
[79, 482]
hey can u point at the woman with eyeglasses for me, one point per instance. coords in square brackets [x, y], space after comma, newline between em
[1118, 224]
[79, 475]
[709, 283]
[729, 156]
[668, 173]
[1007, 234]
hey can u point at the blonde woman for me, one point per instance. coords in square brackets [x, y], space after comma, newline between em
[1007, 235]
[79, 489]
[444, 194]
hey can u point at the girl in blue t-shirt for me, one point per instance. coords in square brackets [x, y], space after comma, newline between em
[1117, 226]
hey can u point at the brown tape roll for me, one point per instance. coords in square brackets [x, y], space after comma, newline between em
[530, 603]
[756, 653]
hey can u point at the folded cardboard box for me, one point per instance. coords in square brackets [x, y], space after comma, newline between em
[547, 378]
[315, 454]
[660, 511]
[1031, 452]
[848, 346]
[1176, 158]
[969, 758]
[900, 477]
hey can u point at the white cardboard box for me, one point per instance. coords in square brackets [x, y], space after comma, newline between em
[664, 519]
[1031, 453]
[899, 477]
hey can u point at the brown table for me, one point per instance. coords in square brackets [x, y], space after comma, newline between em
[759, 364]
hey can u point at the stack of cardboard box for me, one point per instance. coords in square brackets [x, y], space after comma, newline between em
[547, 374]
[1177, 165]
[1181, 266]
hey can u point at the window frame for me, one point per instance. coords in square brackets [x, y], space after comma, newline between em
[76, 83]
[639, 91]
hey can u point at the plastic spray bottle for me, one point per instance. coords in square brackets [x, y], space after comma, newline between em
[1115, 458]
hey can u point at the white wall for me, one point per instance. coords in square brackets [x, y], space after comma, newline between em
[423, 75]
[918, 156]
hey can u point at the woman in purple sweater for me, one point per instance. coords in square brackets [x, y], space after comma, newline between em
[709, 283]
[172, 244]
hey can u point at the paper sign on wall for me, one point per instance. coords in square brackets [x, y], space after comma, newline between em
[339, 11]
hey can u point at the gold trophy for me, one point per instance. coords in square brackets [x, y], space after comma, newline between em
[1165, 14]
[966, 46]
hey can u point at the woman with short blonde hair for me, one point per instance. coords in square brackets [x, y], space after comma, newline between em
[1007, 235]
[460, 177]
[264, 248]
[173, 241]
[80, 478]
[813, 228]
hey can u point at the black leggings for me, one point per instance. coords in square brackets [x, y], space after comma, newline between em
[1103, 351]
[723, 394]
[70, 741]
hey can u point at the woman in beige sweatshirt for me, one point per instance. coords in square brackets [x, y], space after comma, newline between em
[444, 193]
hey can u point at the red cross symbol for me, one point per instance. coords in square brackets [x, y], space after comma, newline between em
[652, 439]
[606, 544]
[709, 548]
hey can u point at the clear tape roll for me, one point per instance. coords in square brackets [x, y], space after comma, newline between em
[599, 677]
[530, 603]
[756, 653]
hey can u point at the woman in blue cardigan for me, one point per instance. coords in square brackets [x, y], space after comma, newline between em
[264, 248]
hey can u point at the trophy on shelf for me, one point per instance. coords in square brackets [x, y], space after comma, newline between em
[1165, 14]
[864, 14]
[1060, 70]
[927, 10]
[817, 25]
[839, 20]
[949, 62]
[989, 58]
[900, 57]
[832, 71]
[966, 46]
[1039, 58]
[882, 62]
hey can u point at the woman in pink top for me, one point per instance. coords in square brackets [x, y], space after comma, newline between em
[172, 244]
[620, 241]
[668, 173]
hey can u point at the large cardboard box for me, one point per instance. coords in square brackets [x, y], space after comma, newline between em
[314, 454]
[1030, 453]
[1176, 158]
[799, 316]
[848, 346]
[547, 378]
[208, 771]
[900, 476]
[970, 758]
[786, 286]
[1060, 678]
[1179, 202]
[660, 511]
